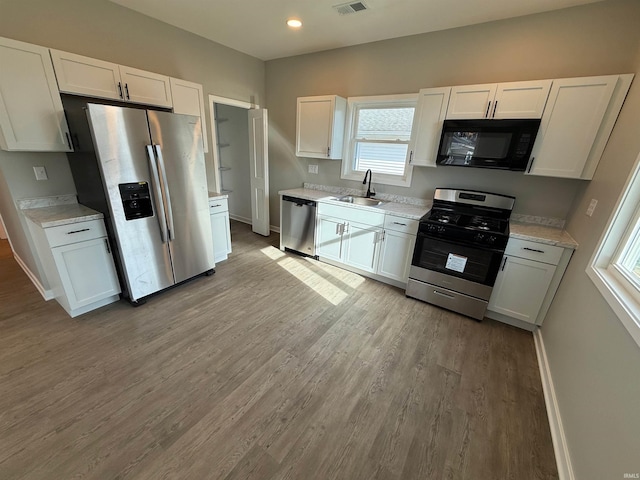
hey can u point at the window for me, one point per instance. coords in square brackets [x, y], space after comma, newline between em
[615, 266]
[378, 136]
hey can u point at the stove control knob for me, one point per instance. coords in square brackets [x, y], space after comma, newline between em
[479, 237]
[441, 229]
[491, 240]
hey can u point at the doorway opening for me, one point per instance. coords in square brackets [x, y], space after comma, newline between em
[239, 132]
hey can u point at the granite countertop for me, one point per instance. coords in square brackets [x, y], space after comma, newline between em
[57, 215]
[542, 234]
[217, 196]
[406, 210]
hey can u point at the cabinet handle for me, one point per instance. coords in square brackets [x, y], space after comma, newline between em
[530, 164]
[217, 205]
[78, 231]
[338, 229]
[328, 151]
[68, 137]
[345, 227]
[411, 157]
[106, 243]
[504, 262]
[533, 250]
[495, 106]
[126, 89]
[398, 223]
[120, 90]
[486, 115]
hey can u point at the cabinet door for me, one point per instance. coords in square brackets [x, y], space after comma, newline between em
[87, 272]
[471, 101]
[145, 87]
[221, 236]
[520, 99]
[395, 255]
[574, 112]
[520, 288]
[427, 126]
[188, 99]
[329, 243]
[320, 126]
[31, 114]
[361, 246]
[87, 76]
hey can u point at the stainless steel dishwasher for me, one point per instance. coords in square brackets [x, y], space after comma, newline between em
[298, 225]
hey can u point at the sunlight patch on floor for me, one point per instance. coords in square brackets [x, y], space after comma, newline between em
[273, 253]
[350, 279]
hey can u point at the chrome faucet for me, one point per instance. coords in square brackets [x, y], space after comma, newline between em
[369, 193]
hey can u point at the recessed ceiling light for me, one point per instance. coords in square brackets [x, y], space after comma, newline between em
[294, 23]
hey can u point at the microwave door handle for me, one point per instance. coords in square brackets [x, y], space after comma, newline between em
[165, 190]
[495, 106]
[486, 115]
[157, 193]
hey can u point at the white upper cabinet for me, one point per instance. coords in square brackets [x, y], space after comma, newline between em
[427, 126]
[87, 76]
[499, 100]
[145, 87]
[320, 126]
[188, 99]
[576, 125]
[31, 114]
[95, 78]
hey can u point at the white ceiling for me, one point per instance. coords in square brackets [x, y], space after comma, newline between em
[257, 27]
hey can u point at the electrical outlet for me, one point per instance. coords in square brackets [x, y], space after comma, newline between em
[313, 168]
[41, 173]
[592, 206]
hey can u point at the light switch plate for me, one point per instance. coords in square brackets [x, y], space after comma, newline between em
[313, 168]
[592, 206]
[41, 173]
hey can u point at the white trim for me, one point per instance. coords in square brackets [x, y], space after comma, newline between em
[238, 218]
[213, 99]
[563, 459]
[624, 304]
[346, 170]
[46, 294]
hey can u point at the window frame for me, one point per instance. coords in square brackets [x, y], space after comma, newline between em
[620, 292]
[354, 104]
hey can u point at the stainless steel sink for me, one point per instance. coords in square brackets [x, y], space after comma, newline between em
[369, 202]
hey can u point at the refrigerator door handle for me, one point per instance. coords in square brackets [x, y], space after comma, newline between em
[157, 192]
[167, 197]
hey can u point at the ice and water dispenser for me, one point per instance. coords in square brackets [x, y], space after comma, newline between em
[136, 200]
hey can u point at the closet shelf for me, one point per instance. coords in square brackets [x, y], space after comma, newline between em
[221, 120]
[223, 145]
[224, 169]
[224, 190]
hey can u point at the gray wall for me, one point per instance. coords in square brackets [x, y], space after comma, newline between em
[590, 40]
[594, 361]
[104, 30]
[235, 132]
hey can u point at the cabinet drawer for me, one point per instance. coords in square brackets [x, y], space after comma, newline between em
[75, 232]
[218, 205]
[534, 251]
[400, 224]
[351, 214]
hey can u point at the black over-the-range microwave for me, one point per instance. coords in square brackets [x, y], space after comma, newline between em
[502, 144]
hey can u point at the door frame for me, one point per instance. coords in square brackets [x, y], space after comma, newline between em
[213, 99]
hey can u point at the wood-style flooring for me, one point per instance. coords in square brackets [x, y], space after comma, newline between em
[276, 367]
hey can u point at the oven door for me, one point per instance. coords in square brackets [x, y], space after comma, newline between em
[470, 262]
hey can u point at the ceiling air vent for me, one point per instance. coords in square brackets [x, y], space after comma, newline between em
[351, 7]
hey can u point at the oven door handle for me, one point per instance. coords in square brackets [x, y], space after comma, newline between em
[462, 244]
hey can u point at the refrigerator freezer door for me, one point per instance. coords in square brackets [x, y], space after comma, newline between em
[178, 146]
[120, 136]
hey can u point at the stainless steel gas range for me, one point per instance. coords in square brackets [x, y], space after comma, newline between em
[459, 250]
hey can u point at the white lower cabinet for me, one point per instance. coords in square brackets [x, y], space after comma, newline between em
[527, 281]
[78, 265]
[220, 228]
[366, 241]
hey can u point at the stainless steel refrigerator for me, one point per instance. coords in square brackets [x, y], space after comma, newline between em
[155, 197]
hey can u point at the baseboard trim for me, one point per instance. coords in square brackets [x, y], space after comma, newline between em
[248, 221]
[563, 460]
[46, 294]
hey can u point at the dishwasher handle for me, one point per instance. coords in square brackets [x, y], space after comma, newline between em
[300, 202]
